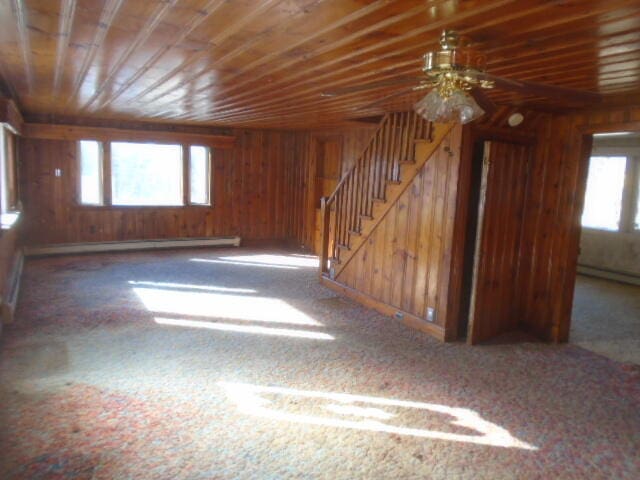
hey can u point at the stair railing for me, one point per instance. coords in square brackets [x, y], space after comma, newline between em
[365, 183]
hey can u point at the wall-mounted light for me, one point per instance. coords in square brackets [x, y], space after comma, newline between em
[515, 119]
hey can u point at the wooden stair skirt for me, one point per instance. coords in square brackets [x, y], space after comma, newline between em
[397, 152]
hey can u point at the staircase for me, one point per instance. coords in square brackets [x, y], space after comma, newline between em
[397, 151]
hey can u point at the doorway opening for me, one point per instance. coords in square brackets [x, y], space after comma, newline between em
[606, 306]
[499, 178]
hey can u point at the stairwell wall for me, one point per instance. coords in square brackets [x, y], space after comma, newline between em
[405, 263]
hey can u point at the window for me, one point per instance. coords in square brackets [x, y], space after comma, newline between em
[9, 204]
[146, 174]
[636, 223]
[90, 172]
[603, 198]
[143, 174]
[199, 175]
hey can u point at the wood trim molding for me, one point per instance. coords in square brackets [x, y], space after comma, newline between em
[10, 114]
[71, 248]
[408, 319]
[75, 132]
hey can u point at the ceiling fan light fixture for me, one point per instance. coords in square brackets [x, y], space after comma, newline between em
[457, 107]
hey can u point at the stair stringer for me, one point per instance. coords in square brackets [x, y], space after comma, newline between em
[424, 150]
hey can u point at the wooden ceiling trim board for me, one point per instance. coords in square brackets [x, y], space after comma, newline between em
[542, 66]
[17, 7]
[65, 25]
[586, 11]
[75, 132]
[577, 37]
[107, 16]
[232, 27]
[143, 35]
[328, 47]
[350, 53]
[195, 22]
[561, 50]
[418, 49]
[305, 94]
[316, 33]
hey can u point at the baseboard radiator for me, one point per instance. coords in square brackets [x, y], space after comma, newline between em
[10, 297]
[70, 248]
[624, 277]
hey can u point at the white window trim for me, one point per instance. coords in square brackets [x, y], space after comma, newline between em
[100, 170]
[631, 189]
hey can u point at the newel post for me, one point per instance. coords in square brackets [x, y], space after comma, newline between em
[324, 235]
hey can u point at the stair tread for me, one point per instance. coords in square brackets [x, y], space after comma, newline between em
[366, 217]
[378, 200]
[394, 182]
[355, 232]
[343, 246]
[407, 162]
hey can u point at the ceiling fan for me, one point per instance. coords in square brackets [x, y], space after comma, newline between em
[456, 76]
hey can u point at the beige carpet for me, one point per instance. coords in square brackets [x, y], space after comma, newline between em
[606, 318]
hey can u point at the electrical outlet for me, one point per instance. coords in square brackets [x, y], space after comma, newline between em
[431, 314]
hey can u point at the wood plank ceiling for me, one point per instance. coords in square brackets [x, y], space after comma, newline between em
[264, 63]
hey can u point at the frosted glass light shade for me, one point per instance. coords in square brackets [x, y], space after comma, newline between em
[459, 107]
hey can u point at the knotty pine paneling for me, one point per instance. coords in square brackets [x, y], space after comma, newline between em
[258, 187]
[8, 250]
[552, 216]
[354, 141]
[405, 262]
[264, 64]
[495, 307]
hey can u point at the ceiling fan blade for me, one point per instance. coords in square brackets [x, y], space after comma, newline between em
[368, 86]
[541, 90]
[385, 99]
[483, 101]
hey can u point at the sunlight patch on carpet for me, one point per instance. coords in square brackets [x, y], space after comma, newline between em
[218, 305]
[287, 404]
[229, 327]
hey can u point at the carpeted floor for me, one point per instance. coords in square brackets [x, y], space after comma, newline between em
[212, 364]
[606, 318]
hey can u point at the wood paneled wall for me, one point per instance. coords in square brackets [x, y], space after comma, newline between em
[554, 206]
[354, 141]
[406, 260]
[258, 188]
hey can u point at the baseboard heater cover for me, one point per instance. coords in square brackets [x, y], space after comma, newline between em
[609, 274]
[66, 248]
[10, 300]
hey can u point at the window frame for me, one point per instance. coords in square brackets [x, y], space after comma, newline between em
[10, 205]
[630, 191]
[101, 169]
[209, 177]
[107, 177]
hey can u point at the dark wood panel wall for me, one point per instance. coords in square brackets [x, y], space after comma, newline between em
[553, 206]
[353, 142]
[257, 191]
[405, 262]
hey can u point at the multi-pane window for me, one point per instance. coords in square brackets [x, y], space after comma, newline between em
[146, 174]
[143, 174]
[90, 172]
[603, 198]
[199, 175]
[612, 197]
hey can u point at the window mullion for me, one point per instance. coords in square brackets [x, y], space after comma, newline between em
[186, 170]
[106, 173]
